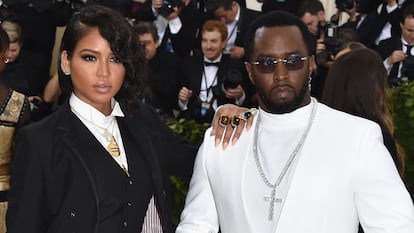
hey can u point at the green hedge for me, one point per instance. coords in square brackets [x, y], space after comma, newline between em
[402, 108]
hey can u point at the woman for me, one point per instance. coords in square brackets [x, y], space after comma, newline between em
[14, 113]
[357, 84]
[101, 162]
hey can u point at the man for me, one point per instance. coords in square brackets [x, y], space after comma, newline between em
[237, 20]
[305, 167]
[397, 51]
[211, 78]
[177, 22]
[312, 14]
[163, 71]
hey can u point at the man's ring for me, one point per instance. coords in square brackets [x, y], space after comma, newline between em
[224, 120]
[246, 115]
[235, 121]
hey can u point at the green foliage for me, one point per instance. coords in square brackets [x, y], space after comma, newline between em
[194, 132]
[402, 108]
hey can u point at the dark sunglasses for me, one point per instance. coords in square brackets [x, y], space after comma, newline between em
[268, 64]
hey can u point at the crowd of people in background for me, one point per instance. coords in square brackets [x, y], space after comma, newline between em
[195, 61]
[174, 36]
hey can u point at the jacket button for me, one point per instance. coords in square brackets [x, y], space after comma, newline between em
[72, 214]
[125, 224]
[129, 204]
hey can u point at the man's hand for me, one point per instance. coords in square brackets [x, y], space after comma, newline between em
[237, 52]
[184, 95]
[223, 132]
[234, 93]
[396, 56]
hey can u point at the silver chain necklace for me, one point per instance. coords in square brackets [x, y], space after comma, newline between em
[273, 187]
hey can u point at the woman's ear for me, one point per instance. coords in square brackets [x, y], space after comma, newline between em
[64, 62]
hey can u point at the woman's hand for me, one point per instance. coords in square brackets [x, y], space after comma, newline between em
[230, 118]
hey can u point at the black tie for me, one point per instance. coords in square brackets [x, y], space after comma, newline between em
[206, 63]
[409, 48]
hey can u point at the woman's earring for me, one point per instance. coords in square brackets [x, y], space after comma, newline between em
[309, 82]
[6, 61]
[66, 72]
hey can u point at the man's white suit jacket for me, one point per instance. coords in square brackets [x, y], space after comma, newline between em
[344, 175]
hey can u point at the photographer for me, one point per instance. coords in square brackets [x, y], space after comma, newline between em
[312, 14]
[397, 52]
[363, 18]
[177, 22]
[213, 78]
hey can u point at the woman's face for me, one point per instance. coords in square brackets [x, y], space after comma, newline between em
[97, 75]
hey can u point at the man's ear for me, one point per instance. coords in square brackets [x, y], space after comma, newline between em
[312, 63]
[249, 72]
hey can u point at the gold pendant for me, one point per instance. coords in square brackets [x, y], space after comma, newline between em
[113, 147]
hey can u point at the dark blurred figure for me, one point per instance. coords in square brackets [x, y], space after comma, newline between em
[38, 21]
[285, 5]
[14, 114]
[363, 18]
[237, 20]
[177, 23]
[163, 72]
[397, 52]
[388, 23]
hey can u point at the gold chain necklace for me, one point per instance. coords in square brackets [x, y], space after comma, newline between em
[113, 147]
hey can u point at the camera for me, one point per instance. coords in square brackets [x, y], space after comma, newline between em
[332, 43]
[231, 80]
[344, 4]
[407, 70]
[168, 7]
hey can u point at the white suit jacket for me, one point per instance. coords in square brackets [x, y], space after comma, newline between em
[344, 176]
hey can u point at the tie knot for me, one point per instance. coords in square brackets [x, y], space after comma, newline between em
[206, 63]
[409, 49]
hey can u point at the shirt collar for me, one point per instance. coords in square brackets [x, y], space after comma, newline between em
[86, 111]
[215, 60]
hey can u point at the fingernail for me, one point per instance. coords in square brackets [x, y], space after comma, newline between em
[225, 144]
[217, 142]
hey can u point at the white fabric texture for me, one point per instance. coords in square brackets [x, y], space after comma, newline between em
[343, 175]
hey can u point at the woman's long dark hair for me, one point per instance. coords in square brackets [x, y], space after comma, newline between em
[357, 84]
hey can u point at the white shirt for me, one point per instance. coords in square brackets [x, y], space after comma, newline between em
[232, 31]
[96, 122]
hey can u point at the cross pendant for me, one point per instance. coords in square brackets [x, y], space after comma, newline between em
[272, 199]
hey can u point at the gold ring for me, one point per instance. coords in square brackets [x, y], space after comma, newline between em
[224, 120]
[235, 122]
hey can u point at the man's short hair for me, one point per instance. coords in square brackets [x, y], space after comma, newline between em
[212, 5]
[407, 11]
[312, 7]
[278, 19]
[147, 27]
[215, 25]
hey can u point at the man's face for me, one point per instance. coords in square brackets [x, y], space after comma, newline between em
[212, 45]
[312, 21]
[408, 29]
[286, 87]
[226, 16]
[150, 44]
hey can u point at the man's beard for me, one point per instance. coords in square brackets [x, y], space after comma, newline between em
[286, 107]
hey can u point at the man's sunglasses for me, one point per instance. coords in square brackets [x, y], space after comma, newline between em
[267, 65]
